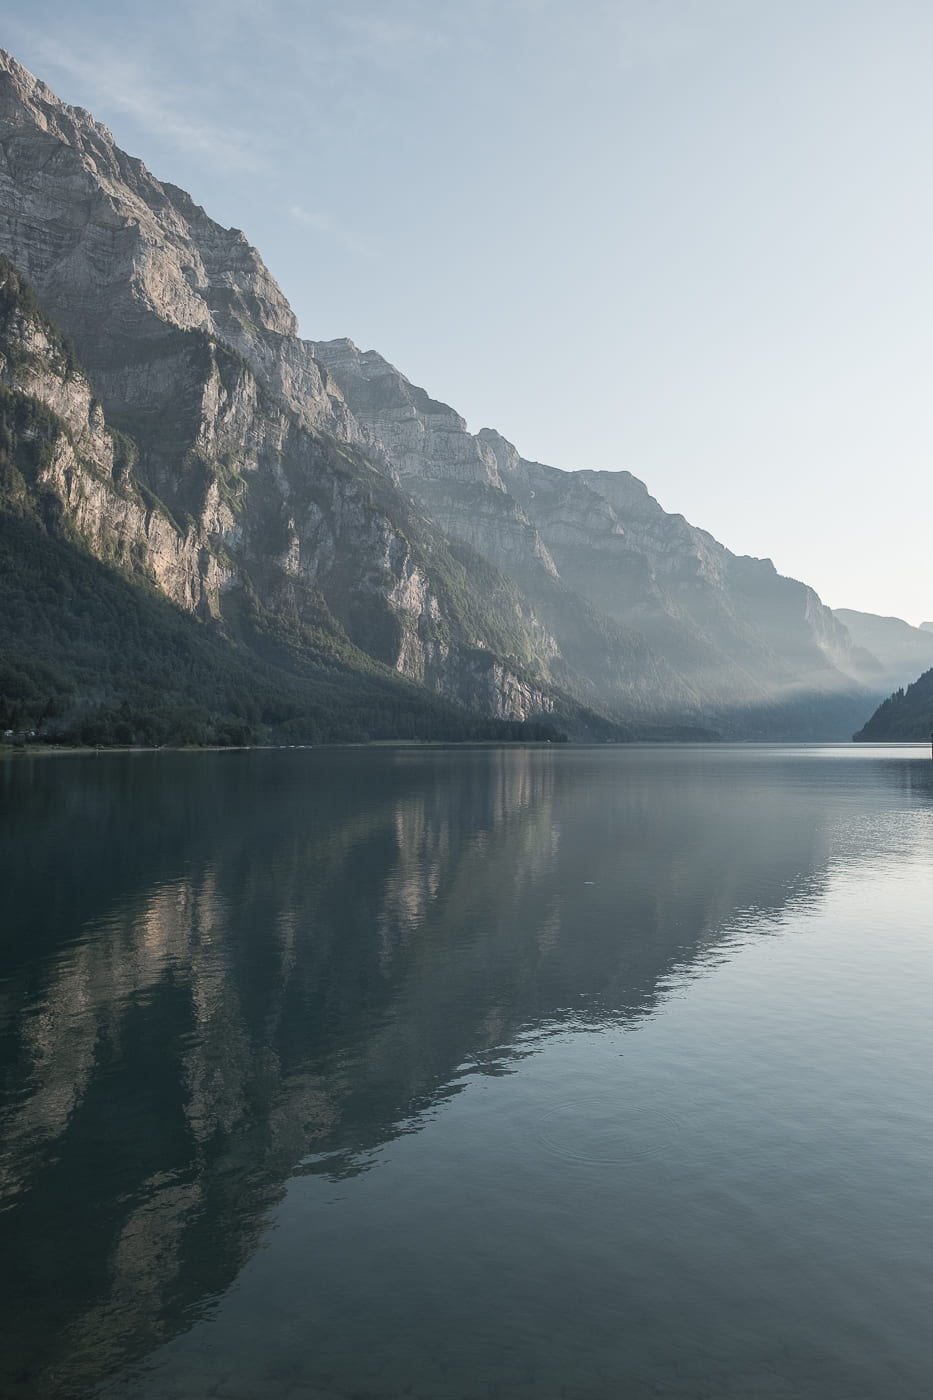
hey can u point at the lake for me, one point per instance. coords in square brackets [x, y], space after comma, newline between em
[598, 1073]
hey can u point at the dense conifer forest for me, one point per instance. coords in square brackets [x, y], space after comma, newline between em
[906, 715]
[88, 657]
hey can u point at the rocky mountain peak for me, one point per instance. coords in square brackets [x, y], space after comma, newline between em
[109, 244]
[422, 437]
[50, 113]
[506, 453]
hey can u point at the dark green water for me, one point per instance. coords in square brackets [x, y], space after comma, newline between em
[587, 1073]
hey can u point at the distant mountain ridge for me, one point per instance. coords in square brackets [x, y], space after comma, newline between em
[727, 637]
[902, 650]
[313, 510]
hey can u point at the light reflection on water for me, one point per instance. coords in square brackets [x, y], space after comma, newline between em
[455, 1073]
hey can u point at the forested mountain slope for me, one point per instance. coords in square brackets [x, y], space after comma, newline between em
[906, 715]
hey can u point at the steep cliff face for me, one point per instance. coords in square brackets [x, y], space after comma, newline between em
[464, 482]
[428, 448]
[733, 625]
[244, 440]
[652, 611]
[86, 470]
[119, 257]
[422, 437]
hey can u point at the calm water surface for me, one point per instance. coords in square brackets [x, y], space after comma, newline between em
[464, 1074]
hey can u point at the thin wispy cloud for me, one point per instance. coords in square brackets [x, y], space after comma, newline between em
[110, 82]
[386, 38]
[324, 224]
[631, 37]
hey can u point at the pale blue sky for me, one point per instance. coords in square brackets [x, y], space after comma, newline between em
[690, 239]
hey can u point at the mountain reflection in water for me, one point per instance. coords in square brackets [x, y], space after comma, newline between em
[222, 971]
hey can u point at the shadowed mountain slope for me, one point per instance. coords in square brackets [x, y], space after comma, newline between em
[907, 715]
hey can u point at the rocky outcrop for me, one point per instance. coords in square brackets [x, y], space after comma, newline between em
[428, 448]
[87, 470]
[119, 257]
[421, 436]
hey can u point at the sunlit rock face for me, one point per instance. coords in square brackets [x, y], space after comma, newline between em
[119, 257]
[186, 345]
[422, 437]
[88, 470]
[283, 468]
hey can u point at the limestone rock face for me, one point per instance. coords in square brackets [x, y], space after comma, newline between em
[271, 517]
[88, 470]
[654, 612]
[422, 437]
[120, 257]
[731, 625]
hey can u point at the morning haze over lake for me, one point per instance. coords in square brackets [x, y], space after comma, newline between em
[535, 1072]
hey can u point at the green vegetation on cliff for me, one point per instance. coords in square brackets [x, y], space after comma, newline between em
[93, 654]
[87, 656]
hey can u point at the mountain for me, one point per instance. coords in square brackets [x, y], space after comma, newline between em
[329, 549]
[724, 638]
[902, 650]
[907, 715]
